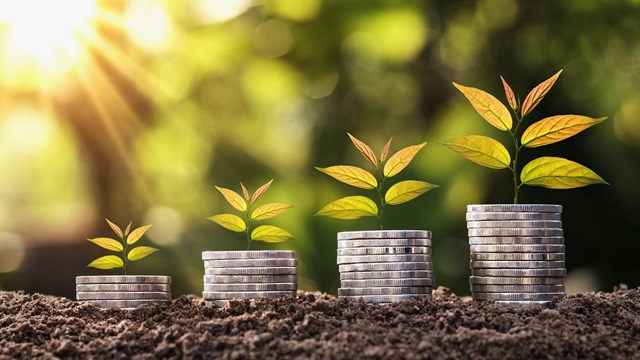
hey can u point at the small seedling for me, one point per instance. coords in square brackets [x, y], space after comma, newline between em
[546, 171]
[244, 204]
[354, 207]
[121, 246]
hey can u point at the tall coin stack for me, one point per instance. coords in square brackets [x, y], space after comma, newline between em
[385, 266]
[517, 253]
[126, 292]
[249, 275]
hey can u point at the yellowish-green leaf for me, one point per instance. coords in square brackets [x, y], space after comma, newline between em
[401, 159]
[556, 128]
[137, 234]
[233, 198]
[140, 252]
[350, 207]
[481, 150]
[365, 150]
[107, 262]
[115, 229]
[261, 190]
[490, 108]
[511, 98]
[126, 231]
[558, 173]
[245, 192]
[406, 190]
[537, 94]
[271, 234]
[385, 151]
[351, 175]
[108, 243]
[267, 211]
[229, 221]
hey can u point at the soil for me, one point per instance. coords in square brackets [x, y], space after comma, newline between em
[319, 326]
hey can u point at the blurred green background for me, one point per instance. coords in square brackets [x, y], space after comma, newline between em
[134, 109]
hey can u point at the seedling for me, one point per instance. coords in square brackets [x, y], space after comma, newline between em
[354, 207]
[549, 172]
[121, 246]
[244, 204]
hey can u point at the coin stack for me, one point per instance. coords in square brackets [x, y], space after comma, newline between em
[123, 291]
[517, 253]
[249, 275]
[385, 266]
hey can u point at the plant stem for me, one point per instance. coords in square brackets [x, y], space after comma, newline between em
[124, 252]
[382, 203]
[517, 148]
[247, 227]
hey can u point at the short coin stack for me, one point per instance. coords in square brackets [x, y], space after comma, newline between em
[385, 266]
[249, 275]
[517, 253]
[126, 292]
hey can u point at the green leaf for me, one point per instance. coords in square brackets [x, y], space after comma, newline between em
[406, 190]
[107, 262]
[137, 234]
[140, 252]
[365, 150]
[558, 173]
[490, 108]
[511, 98]
[269, 210]
[556, 128]
[351, 175]
[537, 94]
[350, 207]
[115, 229]
[108, 243]
[261, 190]
[481, 150]
[271, 234]
[229, 221]
[385, 151]
[398, 161]
[233, 198]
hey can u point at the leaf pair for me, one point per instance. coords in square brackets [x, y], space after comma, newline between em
[126, 239]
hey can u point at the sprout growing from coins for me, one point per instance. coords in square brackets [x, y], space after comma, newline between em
[549, 172]
[121, 246]
[354, 207]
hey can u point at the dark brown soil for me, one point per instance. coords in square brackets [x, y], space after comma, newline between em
[318, 326]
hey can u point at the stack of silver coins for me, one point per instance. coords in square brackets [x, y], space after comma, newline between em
[517, 253]
[126, 292]
[249, 275]
[385, 266]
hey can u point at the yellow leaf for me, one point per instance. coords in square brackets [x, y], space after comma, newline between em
[350, 207]
[385, 150]
[490, 108]
[401, 159]
[406, 190]
[271, 234]
[351, 175]
[115, 228]
[126, 231]
[556, 128]
[107, 243]
[140, 252]
[261, 190]
[137, 234]
[233, 198]
[537, 94]
[481, 150]
[511, 98]
[267, 211]
[365, 150]
[245, 192]
[107, 262]
[558, 173]
[229, 221]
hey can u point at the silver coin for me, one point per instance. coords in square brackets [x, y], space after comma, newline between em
[383, 258]
[251, 287]
[403, 250]
[547, 272]
[514, 280]
[517, 240]
[372, 243]
[516, 264]
[489, 256]
[517, 304]
[524, 249]
[515, 208]
[384, 234]
[124, 304]
[113, 295]
[393, 266]
[240, 279]
[228, 295]
[502, 216]
[123, 279]
[254, 254]
[547, 288]
[423, 274]
[515, 232]
[123, 287]
[386, 282]
[384, 290]
[386, 298]
[517, 296]
[541, 224]
[250, 263]
[273, 270]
